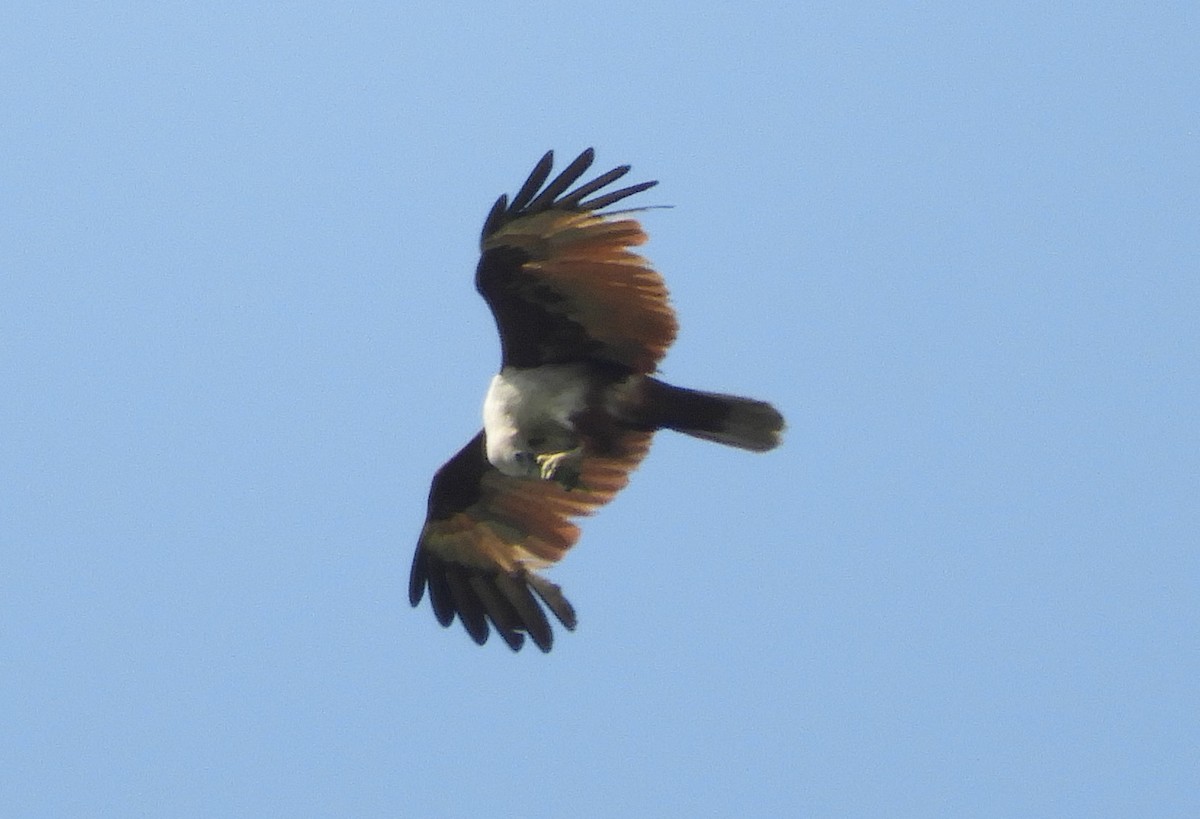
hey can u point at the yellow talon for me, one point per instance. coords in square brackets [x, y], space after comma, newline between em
[562, 467]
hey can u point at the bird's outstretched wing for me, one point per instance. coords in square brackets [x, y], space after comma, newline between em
[486, 535]
[561, 279]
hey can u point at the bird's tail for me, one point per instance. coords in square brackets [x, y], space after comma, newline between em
[726, 419]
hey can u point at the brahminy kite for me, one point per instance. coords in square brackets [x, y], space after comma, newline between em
[583, 323]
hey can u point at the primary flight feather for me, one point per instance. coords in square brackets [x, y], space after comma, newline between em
[583, 323]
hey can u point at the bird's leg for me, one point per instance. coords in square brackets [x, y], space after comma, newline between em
[564, 468]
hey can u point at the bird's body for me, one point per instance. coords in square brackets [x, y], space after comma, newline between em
[531, 410]
[583, 323]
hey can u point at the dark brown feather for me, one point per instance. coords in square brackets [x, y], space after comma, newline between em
[467, 603]
[571, 200]
[495, 217]
[439, 592]
[536, 177]
[502, 614]
[516, 591]
[552, 596]
[616, 196]
[563, 181]
[418, 576]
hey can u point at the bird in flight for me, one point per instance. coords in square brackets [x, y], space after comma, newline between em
[583, 323]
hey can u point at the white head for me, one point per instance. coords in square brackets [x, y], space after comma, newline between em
[512, 456]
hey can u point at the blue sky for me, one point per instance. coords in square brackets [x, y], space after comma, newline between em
[955, 243]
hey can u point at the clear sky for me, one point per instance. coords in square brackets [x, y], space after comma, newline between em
[957, 244]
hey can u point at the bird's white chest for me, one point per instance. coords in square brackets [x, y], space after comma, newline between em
[521, 403]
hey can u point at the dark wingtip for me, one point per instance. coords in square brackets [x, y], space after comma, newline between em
[467, 603]
[546, 199]
[494, 217]
[537, 177]
[416, 578]
[572, 199]
[482, 601]
[553, 597]
[513, 639]
[533, 198]
[616, 196]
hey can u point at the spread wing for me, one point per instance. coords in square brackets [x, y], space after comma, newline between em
[486, 535]
[561, 279]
